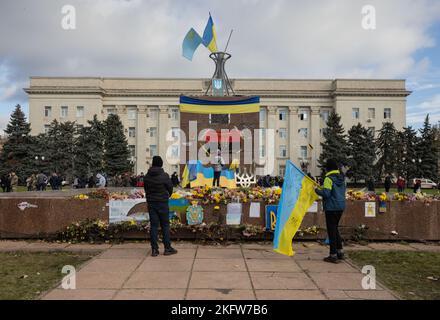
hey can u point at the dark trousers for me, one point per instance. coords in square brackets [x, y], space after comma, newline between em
[332, 220]
[159, 215]
[216, 182]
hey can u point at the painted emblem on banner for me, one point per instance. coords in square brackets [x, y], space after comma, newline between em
[194, 214]
[271, 217]
[382, 207]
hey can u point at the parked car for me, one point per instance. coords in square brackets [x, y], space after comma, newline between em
[426, 183]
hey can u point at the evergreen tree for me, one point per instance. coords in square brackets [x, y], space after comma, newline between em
[89, 149]
[362, 152]
[428, 168]
[15, 154]
[407, 154]
[335, 144]
[116, 152]
[60, 147]
[386, 150]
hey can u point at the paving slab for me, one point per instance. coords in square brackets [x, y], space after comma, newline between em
[219, 265]
[263, 254]
[339, 281]
[100, 280]
[284, 280]
[157, 280]
[80, 294]
[150, 294]
[321, 266]
[168, 264]
[289, 295]
[220, 294]
[272, 265]
[111, 265]
[220, 253]
[124, 254]
[220, 280]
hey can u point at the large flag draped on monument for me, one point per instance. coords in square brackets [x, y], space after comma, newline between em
[219, 105]
[297, 197]
[196, 174]
[210, 36]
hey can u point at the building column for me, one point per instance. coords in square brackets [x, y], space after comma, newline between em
[163, 127]
[315, 140]
[293, 134]
[141, 140]
[271, 146]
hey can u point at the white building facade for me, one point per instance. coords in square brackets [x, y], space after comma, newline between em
[149, 109]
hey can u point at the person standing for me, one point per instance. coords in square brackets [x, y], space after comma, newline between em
[53, 181]
[370, 184]
[31, 182]
[333, 197]
[158, 189]
[218, 166]
[14, 182]
[101, 181]
[401, 185]
[388, 182]
[41, 181]
[175, 179]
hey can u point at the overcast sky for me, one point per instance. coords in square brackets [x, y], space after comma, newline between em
[272, 39]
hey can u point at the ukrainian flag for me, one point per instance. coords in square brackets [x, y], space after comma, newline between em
[297, 197]
[210, 36]
[227, 179]
[198, 175]
[217, 105]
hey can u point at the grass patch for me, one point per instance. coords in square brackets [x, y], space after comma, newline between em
[405, 272]
[25, 275]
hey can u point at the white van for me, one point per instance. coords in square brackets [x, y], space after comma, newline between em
[426, 183]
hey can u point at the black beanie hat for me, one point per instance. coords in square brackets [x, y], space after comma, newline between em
[331, 165]
[157, 161]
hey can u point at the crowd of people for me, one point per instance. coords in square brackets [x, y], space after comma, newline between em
[9, 182]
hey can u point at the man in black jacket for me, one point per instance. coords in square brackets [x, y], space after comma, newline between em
[158, 189]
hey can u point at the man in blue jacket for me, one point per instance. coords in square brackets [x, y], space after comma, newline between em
[333, 197]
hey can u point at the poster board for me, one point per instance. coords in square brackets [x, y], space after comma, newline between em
[126, 210]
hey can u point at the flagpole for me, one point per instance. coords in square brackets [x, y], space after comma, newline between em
[229, 39]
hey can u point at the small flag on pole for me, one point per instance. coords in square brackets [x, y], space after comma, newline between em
[210, 36]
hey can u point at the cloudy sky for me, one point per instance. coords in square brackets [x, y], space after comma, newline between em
[272, 39]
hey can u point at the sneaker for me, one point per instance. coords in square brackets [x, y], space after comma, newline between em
[154, 252]
[331, 259]
[170, 251]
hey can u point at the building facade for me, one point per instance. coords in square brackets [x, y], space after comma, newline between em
[296, 110]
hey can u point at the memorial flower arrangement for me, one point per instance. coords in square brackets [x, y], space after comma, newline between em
[95, 230]
[81, 197]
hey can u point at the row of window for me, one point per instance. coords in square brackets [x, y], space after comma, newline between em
[303, 115]
[152, 132]
[356, 113]
[131, 113]
[64, 111]
[282, 152]
[152, 151]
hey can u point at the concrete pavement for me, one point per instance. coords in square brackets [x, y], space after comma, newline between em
[235, 272]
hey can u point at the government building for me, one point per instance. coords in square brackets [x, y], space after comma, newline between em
[295, 110]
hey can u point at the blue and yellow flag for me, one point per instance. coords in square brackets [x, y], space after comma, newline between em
[190, 44]
[227, 179]
[219, 105]
[297, 197]
[210, 36]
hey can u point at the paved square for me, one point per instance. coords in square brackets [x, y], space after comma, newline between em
[198, 272]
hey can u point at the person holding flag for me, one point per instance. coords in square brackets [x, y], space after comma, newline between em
[333, 197]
